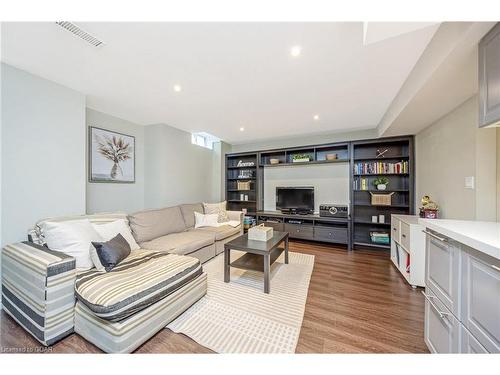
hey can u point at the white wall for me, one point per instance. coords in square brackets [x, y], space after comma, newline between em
[43, 152]
[330, 182]
[498, 174]
[448, 151]
[129, 197]
[176, 171]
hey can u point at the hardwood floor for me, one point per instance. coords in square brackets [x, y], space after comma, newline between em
[357, 303]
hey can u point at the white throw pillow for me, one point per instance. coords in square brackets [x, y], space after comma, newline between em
[72, 238]
[217, 208]
[208, 220]
[110, 230]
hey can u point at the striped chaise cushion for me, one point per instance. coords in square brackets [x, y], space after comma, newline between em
[140, 280]
[38, 290]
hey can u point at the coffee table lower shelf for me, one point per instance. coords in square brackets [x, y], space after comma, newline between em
[255, 262]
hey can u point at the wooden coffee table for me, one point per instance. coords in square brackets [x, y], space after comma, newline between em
[259, 255]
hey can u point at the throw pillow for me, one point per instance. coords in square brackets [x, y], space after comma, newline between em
[110, 230]
[217, 208]
[72, 238]
[107, 255]
[208, 220]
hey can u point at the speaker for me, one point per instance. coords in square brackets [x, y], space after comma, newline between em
[333, 210]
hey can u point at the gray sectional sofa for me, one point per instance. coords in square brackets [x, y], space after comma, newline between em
[172, 229]
[49, 298]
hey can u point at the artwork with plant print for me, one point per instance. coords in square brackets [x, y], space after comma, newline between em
[111, 156]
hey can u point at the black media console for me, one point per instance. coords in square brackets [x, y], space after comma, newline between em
[308, 227]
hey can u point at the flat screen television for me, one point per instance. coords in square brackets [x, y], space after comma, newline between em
[295, 199]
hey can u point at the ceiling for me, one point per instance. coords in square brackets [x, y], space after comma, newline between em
[232, 75]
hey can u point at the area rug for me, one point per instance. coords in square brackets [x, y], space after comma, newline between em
[238, 317]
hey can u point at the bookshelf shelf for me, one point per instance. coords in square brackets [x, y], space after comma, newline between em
[381, 174]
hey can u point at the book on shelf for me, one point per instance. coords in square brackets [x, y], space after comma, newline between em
[379, 167]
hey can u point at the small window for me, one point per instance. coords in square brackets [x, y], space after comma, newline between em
[204, 140]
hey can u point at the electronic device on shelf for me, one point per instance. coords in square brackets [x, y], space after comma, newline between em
[333, 210]
[295, 200]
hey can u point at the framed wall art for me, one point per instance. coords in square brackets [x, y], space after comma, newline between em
[111, 156]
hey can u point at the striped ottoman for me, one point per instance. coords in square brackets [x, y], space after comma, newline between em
[38, 290]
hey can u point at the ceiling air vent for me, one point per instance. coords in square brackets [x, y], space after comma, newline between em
[75, 30]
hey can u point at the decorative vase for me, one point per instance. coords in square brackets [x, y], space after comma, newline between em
[114, 171]
[381, 187]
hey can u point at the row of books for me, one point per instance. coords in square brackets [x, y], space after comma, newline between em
[378, 167]
[360, 184]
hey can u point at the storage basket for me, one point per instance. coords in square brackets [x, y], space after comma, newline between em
[243, 185]
[381, 199]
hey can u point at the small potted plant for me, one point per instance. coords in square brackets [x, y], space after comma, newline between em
[381, 183]
[300, 158]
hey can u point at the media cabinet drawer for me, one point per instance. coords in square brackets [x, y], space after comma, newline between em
[299, 231]
[274, 225]
[330, 234]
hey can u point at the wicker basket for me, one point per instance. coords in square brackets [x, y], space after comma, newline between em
[243, 185]
[381, 199]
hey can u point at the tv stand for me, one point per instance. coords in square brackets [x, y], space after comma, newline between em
[308, 226]
[296, 212]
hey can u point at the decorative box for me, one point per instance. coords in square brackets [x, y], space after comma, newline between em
[381, 199]
[260, 233]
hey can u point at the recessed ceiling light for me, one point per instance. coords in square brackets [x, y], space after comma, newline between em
[316, 117]
[177, 88]
[242, 129]
[295, 51]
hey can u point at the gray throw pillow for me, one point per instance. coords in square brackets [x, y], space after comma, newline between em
[108, 254]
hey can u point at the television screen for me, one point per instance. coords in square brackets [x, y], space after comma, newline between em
[295, 198]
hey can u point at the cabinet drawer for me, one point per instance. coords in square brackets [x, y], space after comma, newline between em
[469, 344]
[441, 328]
[481, 298]
[405, 235]
[395, 224]
[275, 226]
[299, 231]
[442, 270]
[330, 234]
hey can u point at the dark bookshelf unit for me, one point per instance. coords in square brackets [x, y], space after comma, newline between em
[388, 157]
[391, 158]
[241, 182]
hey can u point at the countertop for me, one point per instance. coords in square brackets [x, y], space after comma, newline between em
[408, 219]
[483, 236]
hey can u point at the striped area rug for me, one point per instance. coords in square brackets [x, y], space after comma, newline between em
[238, 317]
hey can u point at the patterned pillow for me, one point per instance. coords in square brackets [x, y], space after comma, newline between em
[217, 208]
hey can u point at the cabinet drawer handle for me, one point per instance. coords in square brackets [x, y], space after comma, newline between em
[394, 229]
[436, 237]
[495, 267]
[403, 235]
[442, 314]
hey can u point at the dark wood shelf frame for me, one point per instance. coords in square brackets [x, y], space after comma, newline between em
[398, 148]
[358, 227]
